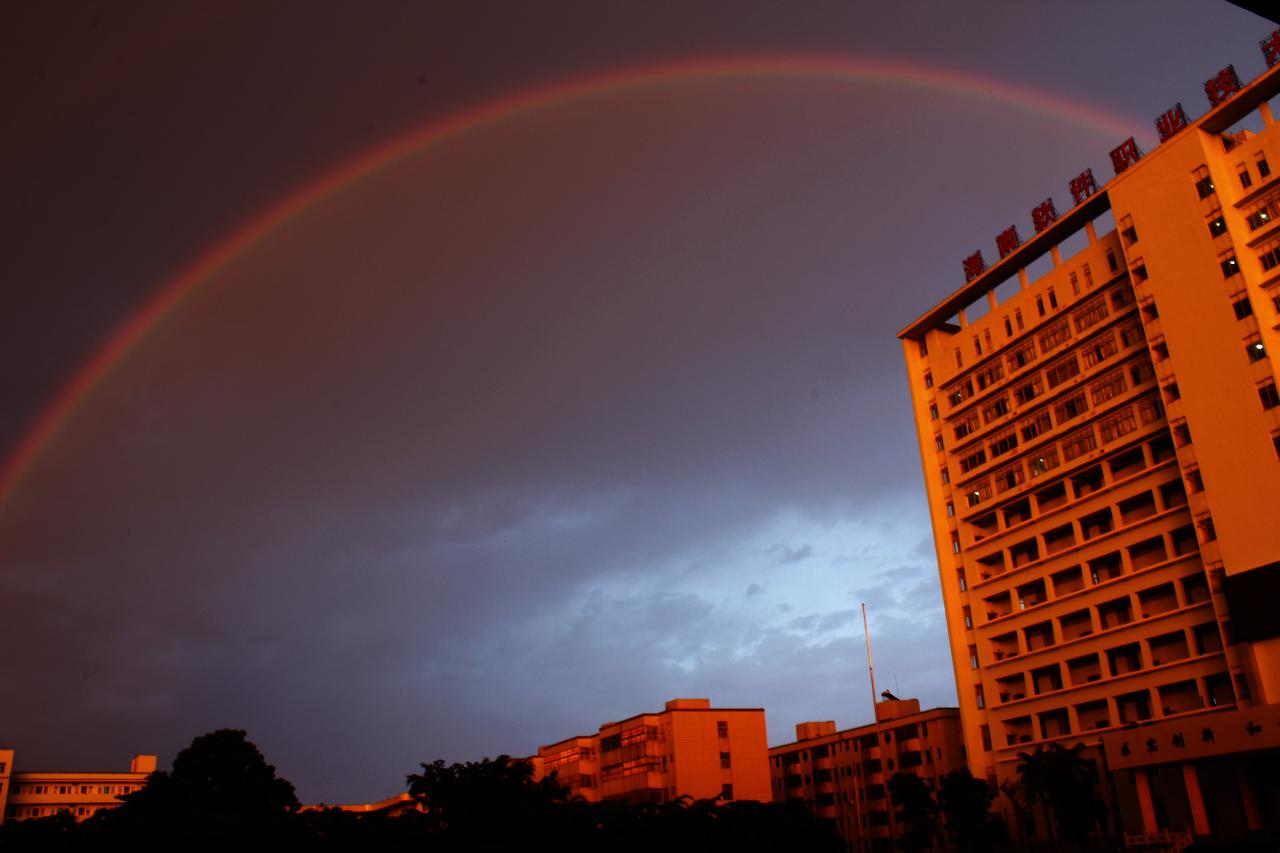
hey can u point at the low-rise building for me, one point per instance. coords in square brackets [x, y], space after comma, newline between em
[688, 749]
[40, 793]
[843, 776]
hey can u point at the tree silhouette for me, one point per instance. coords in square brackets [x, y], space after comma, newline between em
[917, 812]
[965, 803]
[1065, 785]
[220, 793]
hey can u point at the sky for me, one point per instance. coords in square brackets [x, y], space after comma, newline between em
[516, 367]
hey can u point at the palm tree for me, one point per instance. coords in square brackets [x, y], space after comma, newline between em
[1034, 770]
[1064, 783]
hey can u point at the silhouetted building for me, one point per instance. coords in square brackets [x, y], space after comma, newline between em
[843, 776]
[689, 749]
[1099, 424]
[37, 793]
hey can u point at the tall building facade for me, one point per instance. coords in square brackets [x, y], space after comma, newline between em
[843, 776]
[687, 749]
[26, 794]
[1101, 453]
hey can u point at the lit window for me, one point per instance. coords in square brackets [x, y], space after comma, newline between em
[1255, 350]
[1218, 226]
[1204, 183]
[1230, 266]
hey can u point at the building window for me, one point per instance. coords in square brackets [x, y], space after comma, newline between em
[726, 791]
[959, 358]
[722, 728]
[968, 618]
[1061, 371]
[725, 761]
[933, 411]
[1217, 226]
[1270, 258]
[1207, 531]
[1008, 327]
[979, 696]
[1203, 183]
[973, 657]
[937, 440]
[1194, 482]
[928, 379]
[1040, 305]
[1056, 334]
[924, 349]
[1264, 169]
[1243, 171]
[1230, 266]
[1053, 299]
[1139, 271]
[1017, 318]
[951, 509]
[960, 579]
[973, 460]
[1075, 284]
[1242, 307]
[1254, 349]
[1088, 275]
[1111, 261]
[946, 476]
[977, 345]
[1261, 214]
[1269, 396]
[1128, 233]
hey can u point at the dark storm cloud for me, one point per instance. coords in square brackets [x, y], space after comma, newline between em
[551, 424]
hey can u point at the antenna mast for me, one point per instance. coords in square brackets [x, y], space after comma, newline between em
[871, 670]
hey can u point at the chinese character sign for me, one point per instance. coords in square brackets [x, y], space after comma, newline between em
[1007, 240]
[1125, 155]
[974, 266]
[1044, 213]
[1222, 85]
[1271, 48]
[1171, 121]
[1083, 185]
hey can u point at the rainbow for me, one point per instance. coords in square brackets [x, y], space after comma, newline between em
[169, 297]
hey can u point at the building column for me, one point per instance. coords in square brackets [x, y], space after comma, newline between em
[1148, 809]
[1199, 818]
[1252, 817]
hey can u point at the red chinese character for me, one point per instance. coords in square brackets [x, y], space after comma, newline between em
[1125, 155]
[1083, 185]
[1222, 85]
[1044, 213]
[1271, 48]
[974, 266]
[1007, 240]
[1171, 121]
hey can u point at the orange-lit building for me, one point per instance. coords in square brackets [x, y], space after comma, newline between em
[843, 775]
[1099, 425]
[688, 749]
[35, 793]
